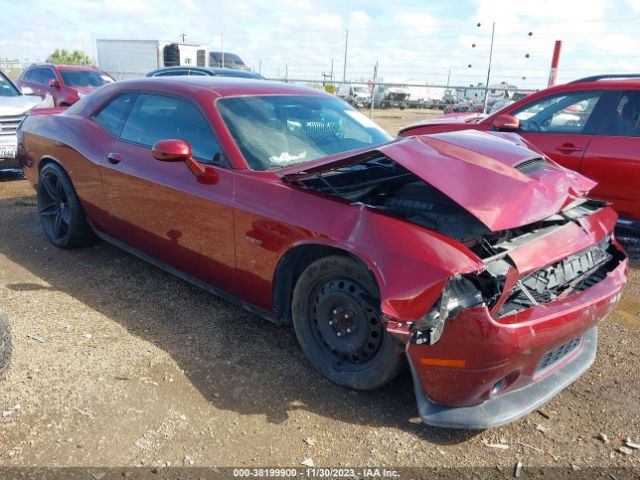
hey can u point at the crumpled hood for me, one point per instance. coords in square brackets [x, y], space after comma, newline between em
[18, 105]
[478, 171]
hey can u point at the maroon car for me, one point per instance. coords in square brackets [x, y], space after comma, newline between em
[476, 259]
[65, 83]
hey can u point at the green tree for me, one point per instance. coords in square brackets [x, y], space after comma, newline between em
[65, 57]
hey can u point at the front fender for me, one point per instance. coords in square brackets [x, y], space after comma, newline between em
[411, 264]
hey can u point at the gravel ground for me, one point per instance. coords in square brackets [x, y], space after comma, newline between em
[117, 363]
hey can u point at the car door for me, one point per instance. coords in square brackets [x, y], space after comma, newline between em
[160, 208]
[561, 125]
[613, 155]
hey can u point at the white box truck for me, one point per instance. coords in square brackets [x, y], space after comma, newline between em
[134, 58]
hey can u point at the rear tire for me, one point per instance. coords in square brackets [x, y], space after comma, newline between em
[334, 309]
[61, 214]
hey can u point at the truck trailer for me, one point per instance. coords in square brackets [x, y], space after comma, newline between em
[134, 58]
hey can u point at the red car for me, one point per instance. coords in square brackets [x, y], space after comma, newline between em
[591, 126]
[473, 257]
[65, 83]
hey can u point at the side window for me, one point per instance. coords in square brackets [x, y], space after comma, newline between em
[27, 75]
[197, 73]
[625, 120]
[157, 117]
[112, 117]
[36, 75]
[47, 75]
[565, 113]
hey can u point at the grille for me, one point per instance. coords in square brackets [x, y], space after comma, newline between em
[577, 273]
[9, 125]
[531, 165]
[551, 358]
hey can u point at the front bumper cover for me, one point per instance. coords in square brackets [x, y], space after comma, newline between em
[509, 406]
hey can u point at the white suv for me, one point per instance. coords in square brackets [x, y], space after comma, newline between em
[15, 104]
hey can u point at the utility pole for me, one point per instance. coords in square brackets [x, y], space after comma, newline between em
[286, 72]
[373, 88]
[448, 78]
[332, 70]
[486, 87]
[182, 35]
[260, 66]
[222, 48]
[346, 46]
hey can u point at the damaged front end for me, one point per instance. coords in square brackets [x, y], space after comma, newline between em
[498, 341]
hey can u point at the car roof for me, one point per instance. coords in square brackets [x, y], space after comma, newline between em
[215, 86]
[223, 86]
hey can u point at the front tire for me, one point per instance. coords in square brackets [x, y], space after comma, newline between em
[335, 317]
[61, 214]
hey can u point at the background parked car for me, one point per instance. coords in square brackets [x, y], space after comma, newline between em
[65, 83]
[14, 106]
[202, 72]
[590, 125]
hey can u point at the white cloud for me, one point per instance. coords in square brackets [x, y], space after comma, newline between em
[128, 6]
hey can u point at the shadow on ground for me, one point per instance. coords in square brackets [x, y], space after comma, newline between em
[11, 174]
[237, 361]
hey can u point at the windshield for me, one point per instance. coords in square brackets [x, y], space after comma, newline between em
[85, 78]
[275, 131]
[7, 89]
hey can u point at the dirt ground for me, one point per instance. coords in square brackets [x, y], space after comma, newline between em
[117, 363]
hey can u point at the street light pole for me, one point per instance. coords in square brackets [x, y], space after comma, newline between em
[346, 46]
[486, 87]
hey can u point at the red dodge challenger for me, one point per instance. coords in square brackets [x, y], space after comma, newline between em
[478, 260]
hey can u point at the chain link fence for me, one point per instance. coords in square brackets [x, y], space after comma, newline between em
[450, 98]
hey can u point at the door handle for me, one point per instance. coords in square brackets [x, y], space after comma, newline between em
[568, 148]
[115, 158]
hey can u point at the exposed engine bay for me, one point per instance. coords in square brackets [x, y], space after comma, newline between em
[385, 185]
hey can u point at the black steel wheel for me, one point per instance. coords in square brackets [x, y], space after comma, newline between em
[335, 315]
[60, 212]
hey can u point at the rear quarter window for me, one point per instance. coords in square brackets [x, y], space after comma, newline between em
[114, 114]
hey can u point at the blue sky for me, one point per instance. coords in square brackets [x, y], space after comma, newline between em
[411, 40]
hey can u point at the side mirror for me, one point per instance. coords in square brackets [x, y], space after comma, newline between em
[175, 150]
[506, 123]
[54, 83]
[171, 150]
[27, 90]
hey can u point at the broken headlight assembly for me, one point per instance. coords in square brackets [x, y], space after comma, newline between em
[458, 294]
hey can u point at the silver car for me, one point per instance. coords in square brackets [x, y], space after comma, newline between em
[15, 104]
